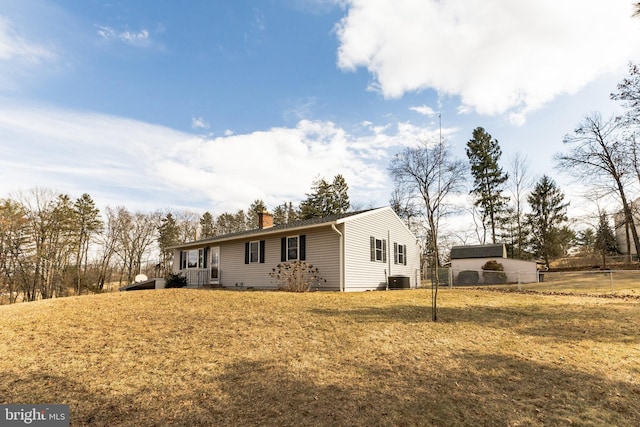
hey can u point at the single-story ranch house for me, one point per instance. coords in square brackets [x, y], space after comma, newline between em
[355, 251]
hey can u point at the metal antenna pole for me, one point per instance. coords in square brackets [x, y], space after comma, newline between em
[435, 281]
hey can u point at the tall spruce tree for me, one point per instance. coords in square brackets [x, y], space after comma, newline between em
[87, 224]
[284, 214]
[326, 199]
[280, 214]
[207, 226]
[254, 210]
[488, 179]
[340, 194]
[605, 239]
[550, 236]
[168, 234]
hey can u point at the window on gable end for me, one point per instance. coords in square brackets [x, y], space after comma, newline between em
[378, 250]
[399, 254]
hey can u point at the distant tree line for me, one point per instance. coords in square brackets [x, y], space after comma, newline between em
[52, 246]
[430, 184]
[527, 213]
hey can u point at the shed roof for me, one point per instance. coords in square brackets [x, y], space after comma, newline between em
[479, 251]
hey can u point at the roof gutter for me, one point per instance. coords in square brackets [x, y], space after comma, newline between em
[333, 227]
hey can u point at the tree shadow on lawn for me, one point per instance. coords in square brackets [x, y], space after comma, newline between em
[607, 323]
[481, 390]
[89, 404]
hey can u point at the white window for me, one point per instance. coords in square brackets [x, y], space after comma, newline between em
[193, 258]
[292, 248]
[378, 249]
[254, 252]
[400, 254]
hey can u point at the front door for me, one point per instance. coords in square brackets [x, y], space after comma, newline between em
[215, 264]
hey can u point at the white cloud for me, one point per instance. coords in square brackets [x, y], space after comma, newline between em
[258, 19]
[19, 57]
[14, 47]
[125, 162]
[498, 57]
[423, 109]
[106, 33]
[134, 38]
[199, 123]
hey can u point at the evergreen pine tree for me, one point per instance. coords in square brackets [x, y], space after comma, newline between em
[550, 236]
[168, 235]
[207, 226]
[87, 224]
[326, 199]
[605, 239]
[488, 179]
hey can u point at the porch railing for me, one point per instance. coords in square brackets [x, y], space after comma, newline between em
[198, 277]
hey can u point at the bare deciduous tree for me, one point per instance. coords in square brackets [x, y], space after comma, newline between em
[108, 243]
[427, 172]
[13, 234]
[135, 239]
[520, 182]
[599, 154]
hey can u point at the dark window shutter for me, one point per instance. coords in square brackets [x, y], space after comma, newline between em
[205, 257]
[283, 249]
[384, 251]
[246, 253]
[181, 259]
[262, 251]
[395, 253]
[372, 241]
[404, 252]
[302, 249]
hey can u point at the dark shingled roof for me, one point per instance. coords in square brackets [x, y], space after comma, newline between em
[479, 251]
[276, 228]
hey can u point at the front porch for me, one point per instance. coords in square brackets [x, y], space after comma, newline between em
[202, 277]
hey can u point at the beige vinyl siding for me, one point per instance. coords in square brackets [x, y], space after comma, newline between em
[235, 274]
[321, 252]
[363, 274]
[324, 251]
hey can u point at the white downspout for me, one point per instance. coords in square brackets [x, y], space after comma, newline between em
[333, 227]
[389, 254]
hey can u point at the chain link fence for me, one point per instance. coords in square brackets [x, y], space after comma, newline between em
[580, 282]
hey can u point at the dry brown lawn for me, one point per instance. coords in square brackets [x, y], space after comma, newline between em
[618, 282]
[216, 358]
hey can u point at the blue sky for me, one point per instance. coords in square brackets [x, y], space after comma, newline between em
[209, 105]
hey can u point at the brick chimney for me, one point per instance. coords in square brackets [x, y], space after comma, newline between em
[265, 220]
